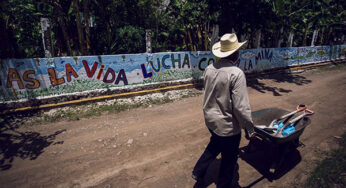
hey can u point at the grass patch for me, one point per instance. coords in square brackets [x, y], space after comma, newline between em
[66, 115]
[82, 112]
[330, 172]
[91, 110]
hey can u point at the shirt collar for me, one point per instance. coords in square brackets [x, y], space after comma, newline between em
[226, 61]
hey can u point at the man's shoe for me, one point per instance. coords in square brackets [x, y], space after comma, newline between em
[194, 177]
[197, 178]
[199, 182]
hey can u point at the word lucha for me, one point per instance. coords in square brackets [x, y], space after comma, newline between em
[163, 63]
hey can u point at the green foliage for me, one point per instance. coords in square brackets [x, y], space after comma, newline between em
[118, 26]
[130, 40]
[21, 22]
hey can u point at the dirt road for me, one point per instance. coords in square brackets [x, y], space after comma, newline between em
[159, 145]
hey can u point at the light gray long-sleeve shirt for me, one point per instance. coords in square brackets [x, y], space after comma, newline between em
[226, 104]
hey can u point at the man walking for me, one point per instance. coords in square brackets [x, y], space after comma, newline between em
[226, 111]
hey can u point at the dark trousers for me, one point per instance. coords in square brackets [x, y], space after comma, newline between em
[229, 148]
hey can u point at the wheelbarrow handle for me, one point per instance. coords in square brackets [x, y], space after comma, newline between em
[297, 118]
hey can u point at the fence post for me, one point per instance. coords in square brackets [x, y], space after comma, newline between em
[314, 37]
[290, 39]
[46, 38]
[148, 40]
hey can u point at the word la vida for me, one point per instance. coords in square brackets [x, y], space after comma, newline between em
[110, 76]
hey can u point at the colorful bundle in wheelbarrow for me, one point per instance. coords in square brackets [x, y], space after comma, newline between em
[283, 126]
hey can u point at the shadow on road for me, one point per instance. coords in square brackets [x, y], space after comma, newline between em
[265, 160]
[254, 82]
[24, 145]
[262, 160]
[211, 175]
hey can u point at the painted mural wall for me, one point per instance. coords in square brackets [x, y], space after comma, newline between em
[41, 77]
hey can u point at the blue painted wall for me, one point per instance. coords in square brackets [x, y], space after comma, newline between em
[40, 77]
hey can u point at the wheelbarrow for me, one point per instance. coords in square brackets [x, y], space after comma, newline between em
[270, 152]
[288, 119]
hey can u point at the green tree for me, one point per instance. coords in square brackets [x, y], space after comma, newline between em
[118, 26]
[21, 24]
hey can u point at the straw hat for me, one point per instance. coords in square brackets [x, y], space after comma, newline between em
[228, 45]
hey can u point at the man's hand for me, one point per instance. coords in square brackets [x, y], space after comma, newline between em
[250, 134]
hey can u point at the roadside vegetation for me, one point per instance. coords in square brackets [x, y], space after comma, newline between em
[90, 27]
[330, 172]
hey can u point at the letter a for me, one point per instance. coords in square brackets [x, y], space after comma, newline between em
[13, 75]
[69, 71]
[121, 76]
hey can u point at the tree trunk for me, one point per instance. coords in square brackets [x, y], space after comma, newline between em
[205, 36]
[322, 36]
[305, 36]
[7, 50]
[199, 38]
[258, 39]
[214, 35]
[190, 40]
[110, 30]
[329, 36]
[79, 27]
[86, 22]
[277, 36]
[61, 21]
